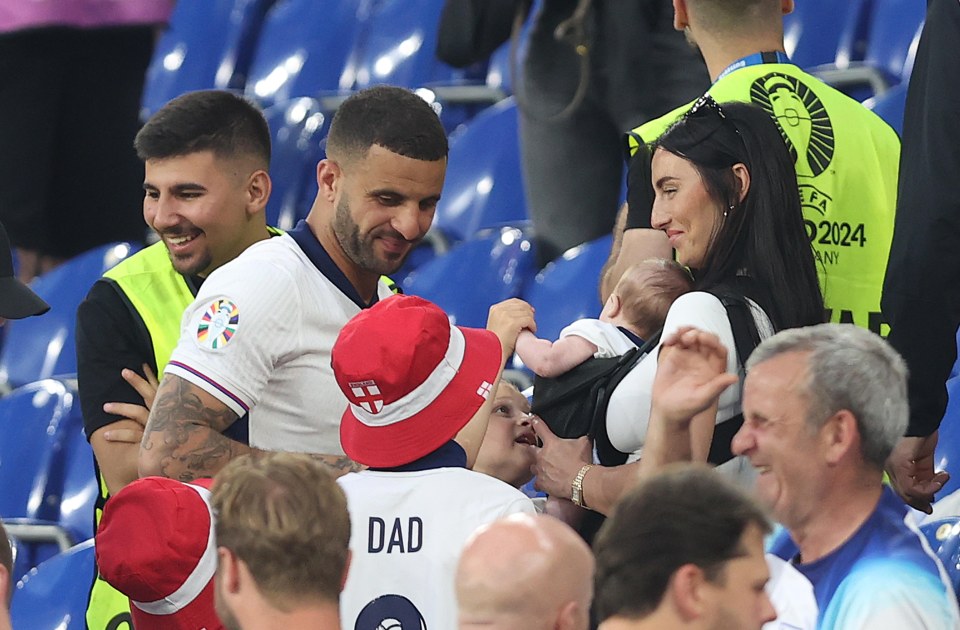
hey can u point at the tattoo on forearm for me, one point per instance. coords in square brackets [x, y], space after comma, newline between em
[185, 427]
[339, 465]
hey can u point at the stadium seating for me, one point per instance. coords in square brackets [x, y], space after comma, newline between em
[948, 445]
[475, 274]
[296, 128]
[40, 347]
[944, 538]
[890, 106]
[54, 595]
[814, 31]
[302, 49]
[207, 44]
[893, 30]
[46, 470]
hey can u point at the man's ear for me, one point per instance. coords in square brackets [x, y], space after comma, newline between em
[570, 617]
[259, 187]
[688, 589]
[346, 570]
[229, 569]
[680, 19]
[840, 435]
[743, 177]
[329, 175]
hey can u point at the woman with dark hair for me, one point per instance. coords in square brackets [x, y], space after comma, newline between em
[725, 194]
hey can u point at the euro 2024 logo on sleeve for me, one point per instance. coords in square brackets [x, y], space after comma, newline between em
[218, 324]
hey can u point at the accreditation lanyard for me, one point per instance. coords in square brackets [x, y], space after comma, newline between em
[755, 59]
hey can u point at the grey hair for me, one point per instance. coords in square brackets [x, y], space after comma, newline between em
[849, 368]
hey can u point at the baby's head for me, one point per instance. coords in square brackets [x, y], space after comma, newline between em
[510, 445]
[643, 295]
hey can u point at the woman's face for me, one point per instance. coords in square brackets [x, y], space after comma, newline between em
[683, 208]
[509, 446]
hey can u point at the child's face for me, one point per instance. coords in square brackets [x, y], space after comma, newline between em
[509, 445]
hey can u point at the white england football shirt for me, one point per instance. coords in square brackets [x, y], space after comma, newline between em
[407, 530]
[259, 335]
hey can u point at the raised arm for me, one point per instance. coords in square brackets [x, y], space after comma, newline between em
[551, 359]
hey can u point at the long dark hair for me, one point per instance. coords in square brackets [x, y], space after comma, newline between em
[763, 235]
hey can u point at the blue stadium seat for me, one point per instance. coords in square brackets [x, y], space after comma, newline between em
[483, 187]
[46, 470]
[54, 595]
[814, 32]
[568, 288]
[302, 49]
[893, 31]
[475, 274]
[944, 538]
[208, 44]
[296, 128]
[40, 347]
[947, 455]
[890, 106]
[396, 46]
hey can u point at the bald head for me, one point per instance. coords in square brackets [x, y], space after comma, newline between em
[525, 572]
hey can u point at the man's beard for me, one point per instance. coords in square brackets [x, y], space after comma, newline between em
[359, 250]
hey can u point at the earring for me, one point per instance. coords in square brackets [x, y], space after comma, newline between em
[729, 209]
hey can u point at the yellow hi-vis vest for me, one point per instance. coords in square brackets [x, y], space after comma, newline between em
[847, 160]
[159, 295]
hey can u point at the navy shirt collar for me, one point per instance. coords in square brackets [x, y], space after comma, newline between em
[308, 242]
[636, 339]
[450, 455]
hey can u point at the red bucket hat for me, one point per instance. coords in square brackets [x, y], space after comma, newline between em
[413, 380]
[155, 544]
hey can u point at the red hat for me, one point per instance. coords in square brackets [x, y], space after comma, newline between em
[155, 544]
[413, 380]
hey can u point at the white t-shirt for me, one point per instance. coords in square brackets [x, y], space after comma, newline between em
[407, 532]
[609, 340]
[792, 596]
[629, 408]
[258, 338]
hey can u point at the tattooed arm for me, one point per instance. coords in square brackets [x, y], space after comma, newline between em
[183, 438]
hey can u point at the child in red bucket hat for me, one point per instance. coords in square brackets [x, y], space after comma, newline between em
[156, 545]
[419, 391]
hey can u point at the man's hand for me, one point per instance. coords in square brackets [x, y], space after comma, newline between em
[506, 319]
[910, 468]
[146, 386]
[691, 375]
[559, 460]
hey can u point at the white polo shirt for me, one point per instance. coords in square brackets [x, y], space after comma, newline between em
[408, 526]
[259, 336]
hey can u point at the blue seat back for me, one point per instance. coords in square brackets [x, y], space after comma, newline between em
[568, 288]
[894, 31]
[302, 49]
[947, 456]
[396, 45]
[476, 274]
[207, 44]
[54, 595]
[36, 348]
[484, 186]
[944, 538]
[33, 421]
[817, 30]
[890, 106]
[297, 128]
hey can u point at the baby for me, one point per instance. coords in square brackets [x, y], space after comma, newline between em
[634, 311]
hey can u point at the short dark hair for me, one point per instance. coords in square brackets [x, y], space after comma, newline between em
[392, 117]
[764, 234]
[208, 120]
[688, 514]
[733, 17]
